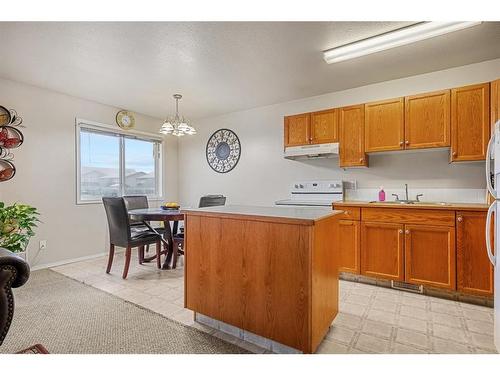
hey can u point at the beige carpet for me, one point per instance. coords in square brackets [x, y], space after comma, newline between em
[66, 316]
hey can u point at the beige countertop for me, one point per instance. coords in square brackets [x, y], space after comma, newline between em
[305, 214]
[423, 205]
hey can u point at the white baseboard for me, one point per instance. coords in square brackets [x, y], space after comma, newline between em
[67, 261]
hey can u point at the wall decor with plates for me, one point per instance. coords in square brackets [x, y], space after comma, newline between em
[223, 150]
[11, 137]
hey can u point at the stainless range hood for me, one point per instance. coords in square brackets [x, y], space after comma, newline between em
[324, 150]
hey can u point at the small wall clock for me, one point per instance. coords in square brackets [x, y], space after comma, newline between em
[125, 120]
[223, 150]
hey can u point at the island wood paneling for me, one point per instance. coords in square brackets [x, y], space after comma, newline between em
[324, 278]
[269, 278]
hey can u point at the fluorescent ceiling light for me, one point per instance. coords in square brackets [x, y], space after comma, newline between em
[392, 39]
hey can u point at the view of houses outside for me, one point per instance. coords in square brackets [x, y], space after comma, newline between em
[100, 166]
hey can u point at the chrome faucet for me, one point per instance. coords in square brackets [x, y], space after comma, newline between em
[407, 200]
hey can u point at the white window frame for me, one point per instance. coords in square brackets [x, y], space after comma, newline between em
[105, 128]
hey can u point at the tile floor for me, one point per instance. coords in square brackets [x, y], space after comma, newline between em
[371, 319]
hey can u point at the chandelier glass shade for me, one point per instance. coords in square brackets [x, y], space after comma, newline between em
[177, 125]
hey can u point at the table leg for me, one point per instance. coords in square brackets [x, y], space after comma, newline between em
[170, 244]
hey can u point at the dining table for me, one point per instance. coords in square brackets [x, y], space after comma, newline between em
[146, 215]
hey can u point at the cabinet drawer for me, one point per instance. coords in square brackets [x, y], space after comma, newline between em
[350, 213]
[409, 216]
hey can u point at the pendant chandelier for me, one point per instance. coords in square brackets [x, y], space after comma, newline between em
[177, 125]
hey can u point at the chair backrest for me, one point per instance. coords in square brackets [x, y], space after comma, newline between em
[135, 202]
[212, 200]
[118, 221]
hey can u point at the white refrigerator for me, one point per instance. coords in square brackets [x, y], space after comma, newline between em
[493, 184]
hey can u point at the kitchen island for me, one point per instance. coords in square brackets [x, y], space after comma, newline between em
[271, 271]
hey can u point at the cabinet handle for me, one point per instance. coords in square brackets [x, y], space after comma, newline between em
[407, 231]
[361, 160]
[454, 154]
[401, 143]
[400, 231]
[348, 212]
[460, 219]
[407, 142]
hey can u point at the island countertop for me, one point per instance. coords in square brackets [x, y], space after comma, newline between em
[302, 215]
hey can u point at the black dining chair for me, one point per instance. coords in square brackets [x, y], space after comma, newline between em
[212, 200]
[121, 235]
[136, 202]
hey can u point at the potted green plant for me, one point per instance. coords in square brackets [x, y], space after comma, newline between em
[17, 223]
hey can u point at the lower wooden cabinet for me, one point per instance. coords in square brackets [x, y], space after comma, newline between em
[474, 270]
[382, 250]
[349, 245]
[438, 248]
[430, 255]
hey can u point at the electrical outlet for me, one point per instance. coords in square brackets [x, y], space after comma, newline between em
[351, 184]
[43, 244]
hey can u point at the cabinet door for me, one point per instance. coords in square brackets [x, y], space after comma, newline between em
[474, 270]
[384, 125]
[470, 122]
[430, 255]
[348, 245]
[352, 141]
[427, 120]
[297, 130]
[495, 102]
[382, 250]
[324, 126]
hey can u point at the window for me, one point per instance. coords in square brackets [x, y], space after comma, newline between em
[112, 163]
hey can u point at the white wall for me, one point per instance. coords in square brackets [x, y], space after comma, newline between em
[45, 176]
[263, 175]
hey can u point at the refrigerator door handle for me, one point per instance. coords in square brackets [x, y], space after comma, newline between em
[491, 257]
[491, 190]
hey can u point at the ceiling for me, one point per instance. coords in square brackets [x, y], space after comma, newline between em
[219, 67]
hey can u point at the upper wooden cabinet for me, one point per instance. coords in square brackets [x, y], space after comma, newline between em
[324, 126]
[427, 120]
[470, 122]
[430, 255]
[382, 250]
[495, 102]
[474, 270]
[352, 141]
[384, 125]
[297, 129]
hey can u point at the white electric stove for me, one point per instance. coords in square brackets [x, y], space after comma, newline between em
[314, 193]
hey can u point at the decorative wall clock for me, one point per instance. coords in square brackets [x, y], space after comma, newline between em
[11, 137]
[223, 150]
[125, 120]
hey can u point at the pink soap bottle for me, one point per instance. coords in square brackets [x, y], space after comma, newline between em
[381, 194]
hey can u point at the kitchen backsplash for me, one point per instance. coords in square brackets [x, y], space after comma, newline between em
[429, 195]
